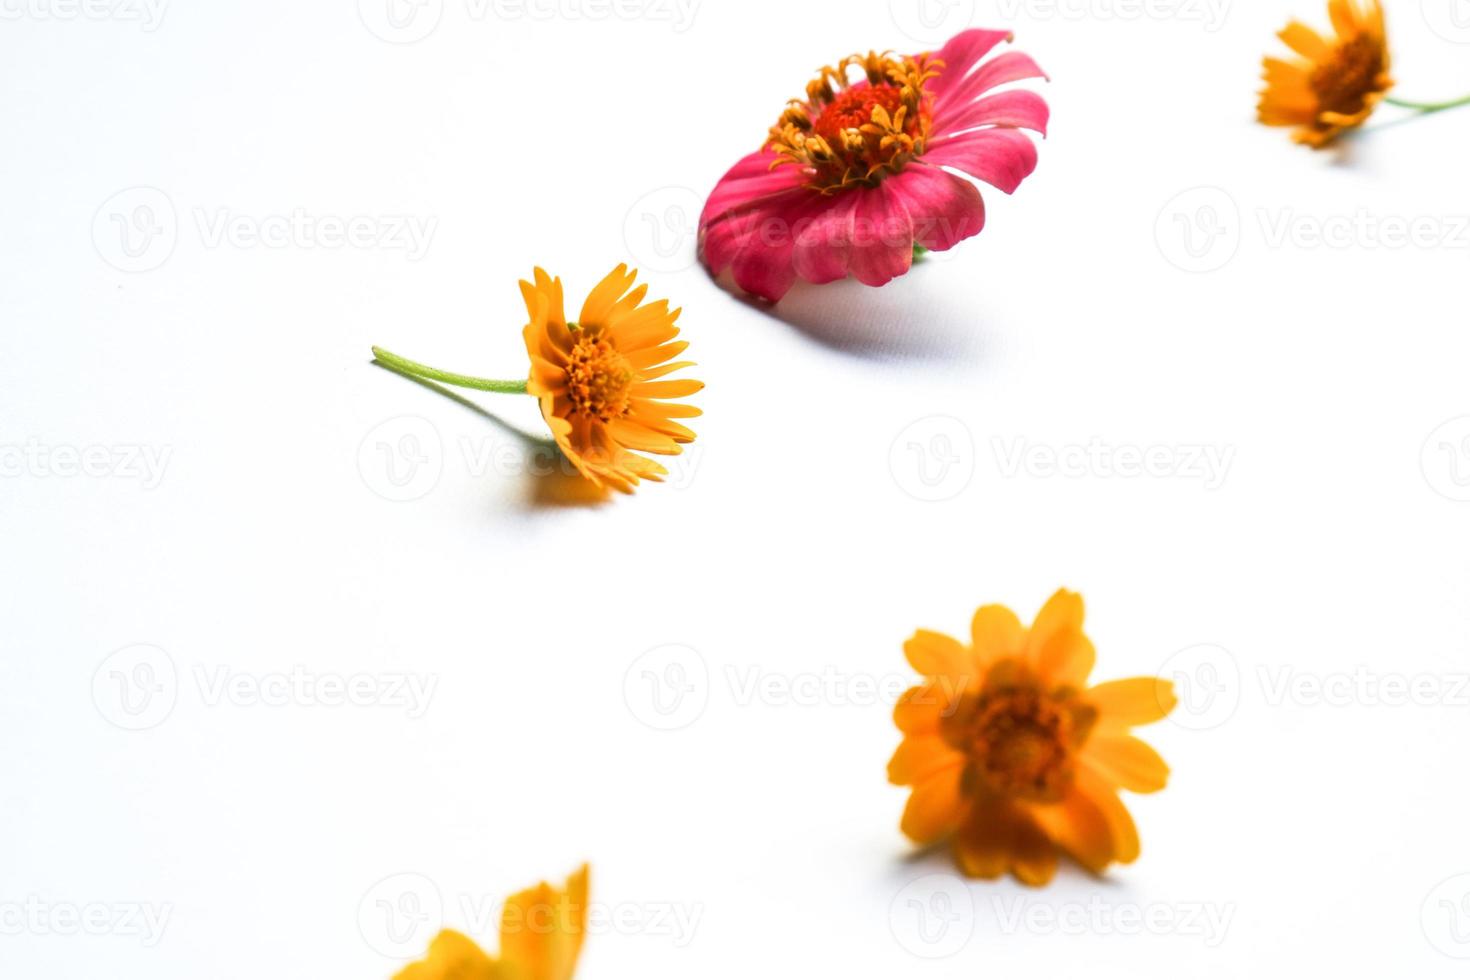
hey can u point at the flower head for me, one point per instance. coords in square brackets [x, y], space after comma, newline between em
[597, 379]
[1336, 83]
[1012, 756]
[541, 932]
[851, 177]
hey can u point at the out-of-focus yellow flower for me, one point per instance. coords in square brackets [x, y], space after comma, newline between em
[1013, 757]
[1337, 81]
[541, 932]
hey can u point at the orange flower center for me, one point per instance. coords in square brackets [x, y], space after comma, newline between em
[856, 132]
[1021, 741]
[853, 109]
[1354, 70]
[599, 379]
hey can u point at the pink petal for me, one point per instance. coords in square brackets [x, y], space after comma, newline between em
[961, 52]
[883, 236]
[750, 179]
[1001, 157]
[756, 242]
[1009, 67]
[1016, 108]
[822, 247]
[944, 209]
[724, 238]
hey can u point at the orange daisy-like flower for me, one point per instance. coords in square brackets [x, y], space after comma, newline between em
[1012, 756]
[599, 379]
[1336, 83]
[541, 931]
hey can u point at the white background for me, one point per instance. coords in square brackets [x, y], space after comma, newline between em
[823, 514]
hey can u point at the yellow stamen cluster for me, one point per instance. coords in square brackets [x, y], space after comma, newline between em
[846, 133]
[598, 377]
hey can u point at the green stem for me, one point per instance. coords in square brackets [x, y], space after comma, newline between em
[1427, 106]
[448, 377]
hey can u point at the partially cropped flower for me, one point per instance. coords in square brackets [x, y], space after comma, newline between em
[1013, 757]
[541, 931]
[601, 380]
[1337, 81]
[852, 178]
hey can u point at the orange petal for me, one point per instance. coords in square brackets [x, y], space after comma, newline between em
[1080, 828]
[649, 374]
[1120, 821]
[551, 288]
[636, 436]
[1133, 701]
[646, 327]
[1344, 17]
[673, 430]
[995, 632]
[541, 929]
[935, 806]
[452, 956]
[920, 756]
[983, 846]
[649, 356]
[1062, 611]
[1305, 41]
[1066, 659]
[920, 709]
[1126, 761]
[668, 410]
[626, 305]
[936, 655]
[666, 389]
[1033, 855]
[604, 295]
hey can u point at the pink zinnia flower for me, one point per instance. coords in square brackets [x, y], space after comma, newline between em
[852, 178]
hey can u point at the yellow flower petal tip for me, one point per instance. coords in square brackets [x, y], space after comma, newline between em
[541, 932]
[601, 379]
[1336, 82]
[1013, 757]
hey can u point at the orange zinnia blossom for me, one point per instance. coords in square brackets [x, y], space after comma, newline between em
[597, 379]
[1336, 83]
[1012, 755]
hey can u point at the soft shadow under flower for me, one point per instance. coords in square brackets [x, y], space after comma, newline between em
[552, 480]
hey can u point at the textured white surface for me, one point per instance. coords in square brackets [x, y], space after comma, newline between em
[1300, 832]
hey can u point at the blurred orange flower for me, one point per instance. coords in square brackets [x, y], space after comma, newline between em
[1336, 83]
[1013, 757]
[541, 932]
